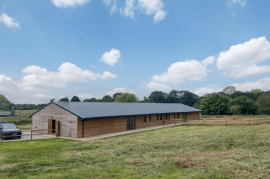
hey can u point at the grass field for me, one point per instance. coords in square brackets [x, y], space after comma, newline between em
[22, 122]
[175, 152]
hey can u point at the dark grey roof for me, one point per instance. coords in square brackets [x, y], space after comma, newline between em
[95, 110]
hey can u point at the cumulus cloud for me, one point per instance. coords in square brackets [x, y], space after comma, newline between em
[242, 60]
[179, 71]
[120, 90]
[158, 86]
[41, 82]
[69, 3]
[262, 84]
[208, 90]
[9, 21]
[43, 97]
[208, 61]
[111, 57]
[241, 2]
[153, 7]
[128, 11]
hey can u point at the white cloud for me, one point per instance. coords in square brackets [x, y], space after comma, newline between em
[262, 84]
[153, 7]
[208, 61]
[241, 60]
[9, 21]
[120, 90]
[179, 71]
[111, 57]
[128, 11]
[112, 4]
[69, 3]
[38, 83]
[241, 2]
[158, 86]
[207, 90]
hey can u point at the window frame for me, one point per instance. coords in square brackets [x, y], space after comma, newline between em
[144, 118]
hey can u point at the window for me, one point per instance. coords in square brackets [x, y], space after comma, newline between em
[166, 116]
[160, 117]
[150, 118]
[157, 117]
[144, 119]
[174, 115]
[177, 115]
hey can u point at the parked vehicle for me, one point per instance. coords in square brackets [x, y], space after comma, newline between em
[10, 130]
[2, 122]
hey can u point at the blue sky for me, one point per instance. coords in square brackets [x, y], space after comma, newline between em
[89, 48]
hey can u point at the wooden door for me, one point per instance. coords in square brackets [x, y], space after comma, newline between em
[50, 126]
[56, 127]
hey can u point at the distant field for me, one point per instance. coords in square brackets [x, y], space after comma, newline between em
[238, 117]
[240, 152]
[23, 122]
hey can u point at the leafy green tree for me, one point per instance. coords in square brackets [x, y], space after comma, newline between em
[90, 100]
[246, 105]
[188, 98]
[229, 90]
[126, 97]
[158, 97]
[235, 110]
[256, 91]
[264, 103]
[214, 104]
[107, 98]
[116, 94]
[65, 99]
[75, 99]
[146, 100]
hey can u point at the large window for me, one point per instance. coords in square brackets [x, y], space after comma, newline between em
[150, 118]
[160, 117]
[174, 115]
[166, 116]
[177, 115]
[157, 117]
[144, 119]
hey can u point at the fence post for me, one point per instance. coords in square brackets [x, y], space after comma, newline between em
[31, 134]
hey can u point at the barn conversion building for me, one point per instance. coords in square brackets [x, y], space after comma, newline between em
[84, 119]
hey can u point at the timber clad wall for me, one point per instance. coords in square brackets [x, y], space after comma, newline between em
[67, 121]
[193, 116]
[103, 126]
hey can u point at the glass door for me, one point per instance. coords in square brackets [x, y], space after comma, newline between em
[131, 123]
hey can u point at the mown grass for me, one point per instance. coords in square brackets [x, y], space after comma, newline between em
[175, 152]
[23, 121]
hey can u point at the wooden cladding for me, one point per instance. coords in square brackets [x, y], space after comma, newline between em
[110, 125]
[50, 126]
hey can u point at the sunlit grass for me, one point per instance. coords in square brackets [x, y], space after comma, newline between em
[175, 152]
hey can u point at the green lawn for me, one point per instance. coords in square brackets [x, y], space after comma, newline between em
[175, 152]
[22, 122]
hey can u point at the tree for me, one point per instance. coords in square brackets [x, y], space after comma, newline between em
[215, 104]
[187, 98]
[256, 91]
[126, 97]
[116, 94]
[65, 99]
[235, 110]
[75, 99]
[264, 103]
[107, 98]
[246, 105]
[229, 90]
[90, 100]
[146, 100]
[158, 97]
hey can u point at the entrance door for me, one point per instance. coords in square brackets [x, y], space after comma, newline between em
[185, 117]
[53, 126]
[131, 123]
